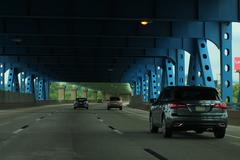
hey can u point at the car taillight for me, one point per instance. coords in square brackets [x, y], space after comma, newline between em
[221, 106]
[176, 105]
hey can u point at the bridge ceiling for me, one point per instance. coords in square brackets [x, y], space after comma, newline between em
[94, 40]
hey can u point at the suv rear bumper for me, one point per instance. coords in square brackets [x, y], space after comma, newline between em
[204, 124]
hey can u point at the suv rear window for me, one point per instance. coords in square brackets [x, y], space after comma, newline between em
[195, 94]
[114, 99]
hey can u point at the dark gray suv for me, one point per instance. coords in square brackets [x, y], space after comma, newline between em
[189, 108]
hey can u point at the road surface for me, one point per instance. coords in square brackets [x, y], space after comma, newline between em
[57, 132]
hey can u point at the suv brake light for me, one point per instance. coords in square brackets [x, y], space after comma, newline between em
[176, 105]
[221, 106]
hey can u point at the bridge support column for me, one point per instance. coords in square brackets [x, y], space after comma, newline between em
[144, 88]
[180, 68]
[22, 82]
[29, 84]
[153, 84]
[2, 71]
[74, 93]
[61, 93]
[226, 61]
[194, 72]
[138, 87]
[206, 68]
[47, 85]
[10, 80]
[159, 80]
[41, 90]
[168, 76]
[36, 87]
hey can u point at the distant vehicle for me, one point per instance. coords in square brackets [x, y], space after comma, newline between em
[189, 108]
[81, 103]
[115, 102]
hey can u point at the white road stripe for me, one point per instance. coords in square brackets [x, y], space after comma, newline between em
[232, 136]
[100, 120]
[117, 131]
[18, 131]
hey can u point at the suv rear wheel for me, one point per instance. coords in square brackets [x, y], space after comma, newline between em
[167, 132]
[219, 132]
[152, 127]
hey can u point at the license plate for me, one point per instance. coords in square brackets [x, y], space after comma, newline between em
[200, 109]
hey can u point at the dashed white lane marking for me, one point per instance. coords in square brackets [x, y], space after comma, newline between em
[100, 120]
[117, 131]
[38, 119]
[18, 131]
[232, 136]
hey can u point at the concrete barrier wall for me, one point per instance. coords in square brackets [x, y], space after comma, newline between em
[9, 97]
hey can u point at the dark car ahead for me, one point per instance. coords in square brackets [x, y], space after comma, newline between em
[189, 108]
[115, 102]
[81, 103]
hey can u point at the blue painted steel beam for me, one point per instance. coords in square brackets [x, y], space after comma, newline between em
[2, 71]
[41, 90]
[205, 64]
[180, 68]
[226, 62]
[46, 89]
[36, 87]
[10, 79]
[22, 82]
[168, 75]
[29, 84]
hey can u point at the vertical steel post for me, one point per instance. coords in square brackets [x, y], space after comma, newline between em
[226, 61]
[10, 80]
[169, 70]
[29, 84]
[205, 64]
[41, 88]
[152, 84]
[22, 82]
[180, 68]
[2, 71]
[36, 87]
[159, 79]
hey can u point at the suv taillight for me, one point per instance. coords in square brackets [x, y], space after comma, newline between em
[221, 106]
[176, 105]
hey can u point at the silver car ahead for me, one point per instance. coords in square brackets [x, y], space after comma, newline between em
[189, 108]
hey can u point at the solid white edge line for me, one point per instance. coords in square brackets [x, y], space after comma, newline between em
[232, 136]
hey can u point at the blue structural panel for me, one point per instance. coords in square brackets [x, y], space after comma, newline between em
[29, 84]
[22, 82]
[46, 90]
[2, 71]
[144, 85]
[226, 62]
[41, 88]
[159, 80]
[138, 87]
[153, 84]
[180, 68]
[195, 77]
[10, 80]
[36, 87]
[169, 73]
[206, 68]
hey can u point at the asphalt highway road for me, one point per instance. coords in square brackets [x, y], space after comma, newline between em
[58, 132]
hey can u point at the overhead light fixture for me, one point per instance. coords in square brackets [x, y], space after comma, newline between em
[145, 22]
